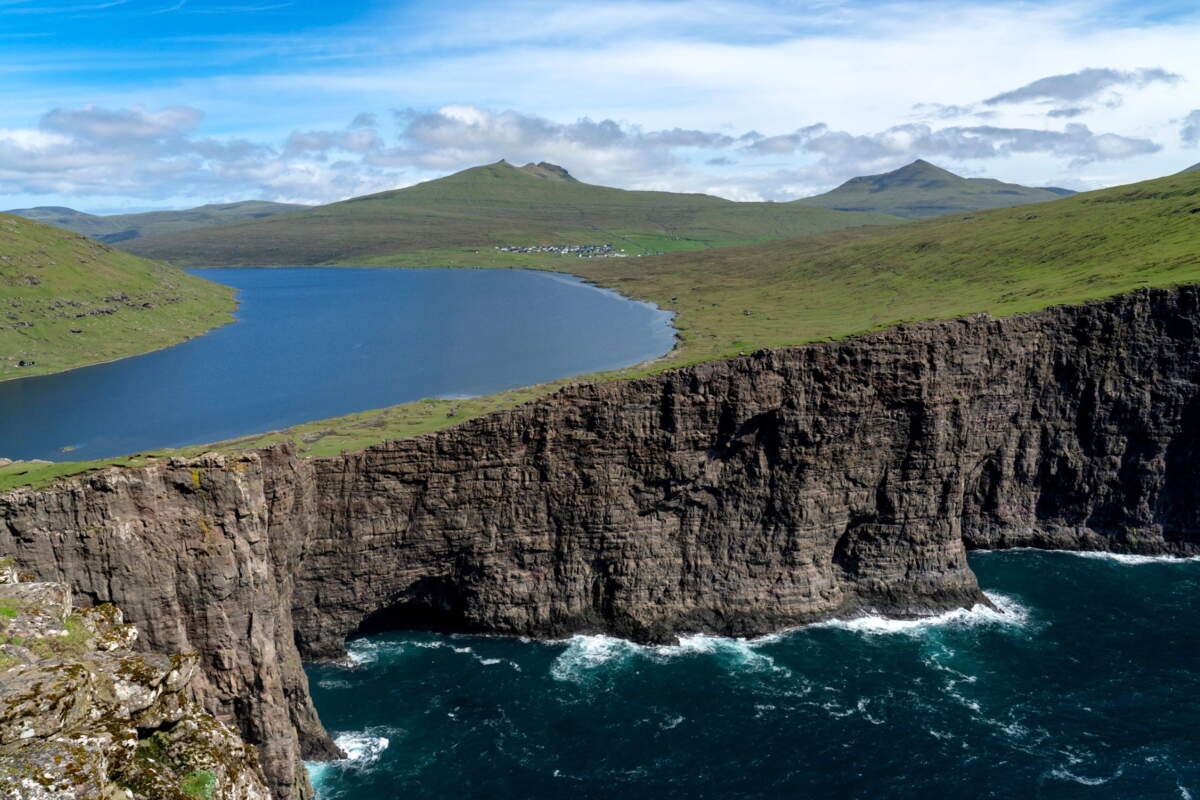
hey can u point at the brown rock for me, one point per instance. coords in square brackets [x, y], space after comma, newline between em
[734, 498]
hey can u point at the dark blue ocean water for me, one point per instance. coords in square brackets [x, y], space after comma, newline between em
[1088, 686]
[312, 343]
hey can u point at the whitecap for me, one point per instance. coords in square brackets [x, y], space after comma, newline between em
[1006, 612]
[584, 654]
[362, 749]
[1130, 558]
[1067, 775]
[361, 652]
[1100, 555]
[672, 723]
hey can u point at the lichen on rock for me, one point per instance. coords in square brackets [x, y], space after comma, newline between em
[83, 717]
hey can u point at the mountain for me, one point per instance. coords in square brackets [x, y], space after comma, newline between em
[468, 214]
[923, 190]
[125, 227]
[69, 300]
[1192, 168]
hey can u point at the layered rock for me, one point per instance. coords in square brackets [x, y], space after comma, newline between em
[84, 717]
[735, 498]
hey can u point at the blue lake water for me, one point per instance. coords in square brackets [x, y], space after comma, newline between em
[1086, 687]
[312, 343]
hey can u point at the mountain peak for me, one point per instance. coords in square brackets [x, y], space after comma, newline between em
[547, 171]
[919, 170]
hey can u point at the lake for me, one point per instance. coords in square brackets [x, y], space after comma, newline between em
[311, 343]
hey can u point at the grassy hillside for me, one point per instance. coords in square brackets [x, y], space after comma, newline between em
[460, 219]
[125, 227]
[66, 301]
[922, 190]
[739, 299]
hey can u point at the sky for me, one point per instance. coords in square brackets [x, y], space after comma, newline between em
[127, 105]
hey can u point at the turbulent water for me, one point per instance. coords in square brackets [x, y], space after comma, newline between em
[1085, 682]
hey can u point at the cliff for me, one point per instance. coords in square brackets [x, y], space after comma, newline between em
[736, 497]
[82, 716]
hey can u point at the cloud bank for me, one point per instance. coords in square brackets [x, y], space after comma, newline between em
[92, 151]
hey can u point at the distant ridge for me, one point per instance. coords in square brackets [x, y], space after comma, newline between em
[923, 190]
[1192, 168]
[462, 219]
[115, 228]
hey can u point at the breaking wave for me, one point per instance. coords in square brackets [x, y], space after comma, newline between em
[585, 653]
[1007, 612]
[363, 749]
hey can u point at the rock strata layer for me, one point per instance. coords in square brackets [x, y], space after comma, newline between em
[735, 498]
[82, 717]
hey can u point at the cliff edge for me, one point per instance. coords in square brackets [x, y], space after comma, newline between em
[735, 498]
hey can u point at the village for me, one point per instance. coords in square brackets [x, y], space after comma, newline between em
[578, 250]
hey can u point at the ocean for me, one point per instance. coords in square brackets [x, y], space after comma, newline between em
[1084, 682]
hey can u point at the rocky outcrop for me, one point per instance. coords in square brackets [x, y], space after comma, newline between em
[736, 498]
[82, 716]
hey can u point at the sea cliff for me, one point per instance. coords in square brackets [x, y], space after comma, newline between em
[736, 497]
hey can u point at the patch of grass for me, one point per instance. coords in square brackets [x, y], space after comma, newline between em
[74, 643]
[199, 784]
[67, 301]
[9, 610]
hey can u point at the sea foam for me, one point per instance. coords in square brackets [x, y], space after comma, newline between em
[584, 654]
[363, 749]
[1006, 612]
[1100, 555]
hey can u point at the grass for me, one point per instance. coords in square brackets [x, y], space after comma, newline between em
[494, 205]
[199, 784]
[740, 299]
[67, 301]
[921, 190]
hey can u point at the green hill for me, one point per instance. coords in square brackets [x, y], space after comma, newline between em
[125, 227]
[1193, 168]
[737, 299]
[462, 218]
[922, 190]
[66, 301]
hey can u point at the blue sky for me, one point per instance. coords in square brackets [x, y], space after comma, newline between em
[109, 105]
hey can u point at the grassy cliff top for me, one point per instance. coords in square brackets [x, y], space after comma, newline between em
[67, 301]
[492, 206]
[922, 190]
[125, 227]
[731, 300]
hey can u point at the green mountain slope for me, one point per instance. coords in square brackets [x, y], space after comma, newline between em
[922, 190]
[492, 206]
[124, 227]
[1193, 168]
[738, 299]
[66, 301]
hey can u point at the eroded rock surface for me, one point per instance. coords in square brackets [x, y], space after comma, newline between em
[735, 498]
[82, 717]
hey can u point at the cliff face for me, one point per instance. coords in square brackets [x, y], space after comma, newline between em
[735, 498]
